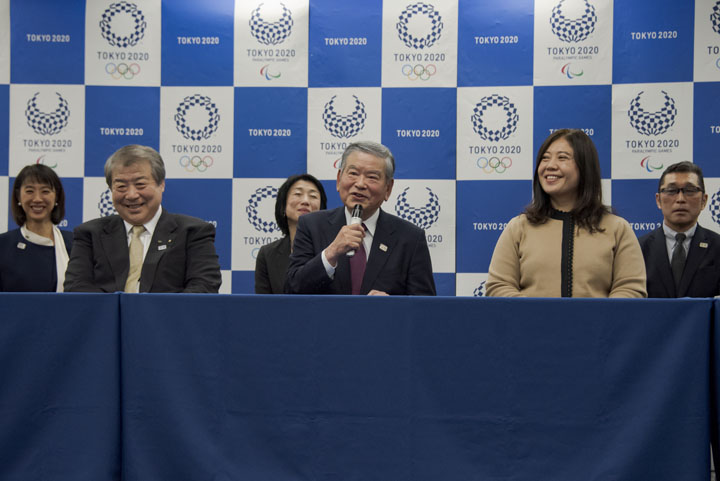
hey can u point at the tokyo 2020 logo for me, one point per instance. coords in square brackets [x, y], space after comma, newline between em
[261, 194]
[271, 33]
[47, 123]
[573, 30]
[105, 205]
[423, 217]
[344, 126]
[206, 107]
[715, 17]
[431, 15]
[652, 123]
[509, 117]
[137, 19]
[715, 207]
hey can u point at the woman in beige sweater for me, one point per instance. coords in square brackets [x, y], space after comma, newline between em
[567, 243]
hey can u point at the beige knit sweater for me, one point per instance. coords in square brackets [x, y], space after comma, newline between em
[527, 259]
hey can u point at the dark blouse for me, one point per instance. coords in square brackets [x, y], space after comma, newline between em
[28, 269]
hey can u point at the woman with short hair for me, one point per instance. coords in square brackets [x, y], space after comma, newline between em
[34, 257]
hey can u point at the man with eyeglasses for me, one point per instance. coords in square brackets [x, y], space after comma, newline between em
[682, 259]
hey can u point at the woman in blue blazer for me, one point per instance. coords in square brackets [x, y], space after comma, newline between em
[34, 257]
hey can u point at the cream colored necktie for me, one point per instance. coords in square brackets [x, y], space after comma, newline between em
[136, 259]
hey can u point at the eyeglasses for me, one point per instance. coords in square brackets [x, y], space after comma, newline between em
[688, 191]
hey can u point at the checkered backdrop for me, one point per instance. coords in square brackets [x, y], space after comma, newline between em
[238, 95]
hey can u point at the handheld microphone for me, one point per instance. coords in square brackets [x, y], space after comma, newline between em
[356, 218]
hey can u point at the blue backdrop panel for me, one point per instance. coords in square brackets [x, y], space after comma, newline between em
[706, 131]
[418, 125]
[113, 119]
[419, 390]
[486, 207]
[199, 52]
[643, 216]
[495, 43]
[653, 42]
[270, 132]
[345, 43]
[210, 200]
[587, 108]
[48, 41]
[60, 389]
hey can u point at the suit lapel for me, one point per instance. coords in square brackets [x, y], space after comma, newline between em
[666, 276]
[342, 271]
[384, 236]
[115, 245]
[162, 240]
[694, 259]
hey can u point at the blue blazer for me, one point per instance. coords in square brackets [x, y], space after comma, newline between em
[30, 269]
[399, 261]
[701, 277]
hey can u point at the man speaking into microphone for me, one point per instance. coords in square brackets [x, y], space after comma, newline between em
[375, 253]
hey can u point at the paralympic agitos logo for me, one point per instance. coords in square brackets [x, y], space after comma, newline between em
[271, 33]
[573, 30]
[344, 126]
[47, 123]
[652, 123]
[423, 217]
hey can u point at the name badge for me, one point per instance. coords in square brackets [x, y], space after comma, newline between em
[704, 245]
[21, 245]
[383, 247]
[162, 247]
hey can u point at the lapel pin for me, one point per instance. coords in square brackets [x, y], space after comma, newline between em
[383, 247]
[704, 245]
[162, 247]
[21, 245]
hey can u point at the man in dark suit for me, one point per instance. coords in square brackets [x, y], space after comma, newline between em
[144, 248]
[391, 255]
[682, 259]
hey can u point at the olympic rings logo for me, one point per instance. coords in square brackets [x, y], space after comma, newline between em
[494, 164]
[717, 63]
[418, 71]
[201, 164]
[122, 70]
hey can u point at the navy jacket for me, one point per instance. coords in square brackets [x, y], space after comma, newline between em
[701, 276]
[399, 261]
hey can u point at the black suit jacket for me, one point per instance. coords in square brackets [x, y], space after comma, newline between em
[399, 261]
[181, 257]
[271, 266]
[701, 276]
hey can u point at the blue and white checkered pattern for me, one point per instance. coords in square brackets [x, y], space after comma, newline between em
[479, 122]
[423, 217]
[271, 33]
[573, 30]
[652, 123]
[420, 9]
[344, 126]
[197, 102]
[47, 123]
[239, 95]
[139, 24]
[261, 225]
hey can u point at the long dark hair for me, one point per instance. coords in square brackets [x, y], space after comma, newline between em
[589, 209]
[281, 202]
